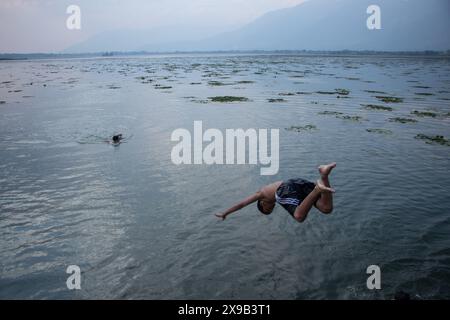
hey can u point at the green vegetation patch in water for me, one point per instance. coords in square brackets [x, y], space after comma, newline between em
[389, 99]
[379, 131]
[158, 86]
[276, 100]
[228, 99]
[375, 91]
[308, 127]
[376, 107]
[326, 92]
[350, 118]
[433, 139]
[342, 92]
[331, 113]
[216, 83]
[202, 101]
[421, 87]
[424, 113]
[402, 120]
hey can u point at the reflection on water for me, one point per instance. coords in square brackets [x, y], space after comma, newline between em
[141, 227]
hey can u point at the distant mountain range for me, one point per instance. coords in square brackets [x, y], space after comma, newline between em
[406, 25]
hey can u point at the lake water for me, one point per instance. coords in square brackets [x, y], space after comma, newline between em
[139, 226]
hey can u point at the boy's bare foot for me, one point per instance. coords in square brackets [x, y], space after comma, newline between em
[322, 188]
[325, 169]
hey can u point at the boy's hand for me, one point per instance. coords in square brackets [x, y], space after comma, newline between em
[221, 216]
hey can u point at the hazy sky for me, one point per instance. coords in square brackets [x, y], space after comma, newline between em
[40, 25]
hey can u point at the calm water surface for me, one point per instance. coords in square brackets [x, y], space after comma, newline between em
[141, 227]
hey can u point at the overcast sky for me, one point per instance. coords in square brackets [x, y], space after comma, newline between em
[40, 25]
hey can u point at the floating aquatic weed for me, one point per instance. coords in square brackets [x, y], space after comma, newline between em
[402, 120]
[286, 94]
[308, 127]
[424, 113]
[376, 107]
[375, 91]
[245, 81]
[326, 92]
[352, 78]
[331, 113]
[303, 92]
[158, 86]
[350, 118]
[342, 92]
[113, 87]
[202, 101]
[423, 93]
[420, 87]
[276, 100]
[380, 131]
[2, 102]
[389, 99]
[218, 83]
[433, 139]
[228, 99]
[195, 83]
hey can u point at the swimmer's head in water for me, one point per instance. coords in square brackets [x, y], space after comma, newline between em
[265, 207]
[117, 137]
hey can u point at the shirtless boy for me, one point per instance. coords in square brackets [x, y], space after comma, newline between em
[297, 196]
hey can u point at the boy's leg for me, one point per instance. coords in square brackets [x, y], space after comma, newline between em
[302, 210]
[325, 203]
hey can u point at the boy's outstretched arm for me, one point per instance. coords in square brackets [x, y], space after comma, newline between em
[254, 197]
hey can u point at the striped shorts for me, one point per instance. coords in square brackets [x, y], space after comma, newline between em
[292, 192]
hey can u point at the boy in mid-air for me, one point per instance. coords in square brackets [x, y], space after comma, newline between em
[297, 196]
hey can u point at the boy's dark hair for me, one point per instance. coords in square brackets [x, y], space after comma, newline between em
[260, 207]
